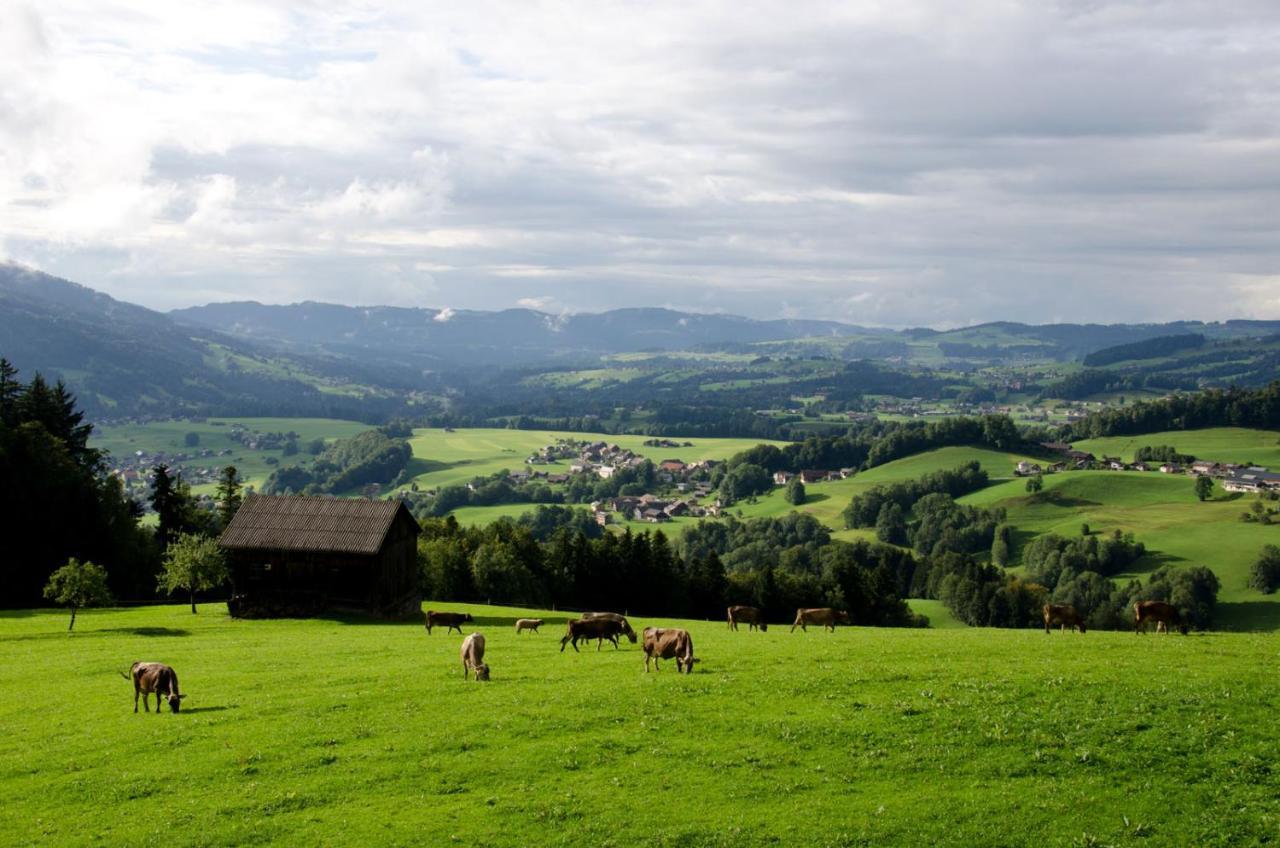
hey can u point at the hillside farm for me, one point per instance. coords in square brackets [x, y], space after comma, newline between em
[349, 733]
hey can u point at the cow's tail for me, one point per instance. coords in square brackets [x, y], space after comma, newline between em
[125, 675]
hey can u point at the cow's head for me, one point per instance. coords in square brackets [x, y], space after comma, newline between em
[175, 701]
[764, 627]
[843, 617]
[466, 616]
[1082, 627]
[482, 672]
[1183, 628]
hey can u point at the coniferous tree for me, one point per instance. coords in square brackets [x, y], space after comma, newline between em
[228, 495]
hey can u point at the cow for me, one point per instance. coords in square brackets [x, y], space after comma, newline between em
[472, 654]
[598, 629]
[1159, 612]
[746, 615]
[825, 616]
[1062, 615]
[451, 619]
[611, 616]
[149, 677]
[528, 624]
[664, 643]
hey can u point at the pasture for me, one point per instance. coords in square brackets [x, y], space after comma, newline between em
[1220, 444]
[443, 458]
[347, 732]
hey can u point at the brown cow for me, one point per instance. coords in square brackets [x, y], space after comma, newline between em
[611, 616]
[1159, 612]
[1062, 615]
[598, 629]
[746, 615]
[149, 677]
[472, 654]
[450, 619]
[826, 616]
[667, 643]
[523, 624]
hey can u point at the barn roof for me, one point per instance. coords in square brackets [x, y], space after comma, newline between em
[304, 523]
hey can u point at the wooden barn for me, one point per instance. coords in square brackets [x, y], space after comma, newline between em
[297, 555]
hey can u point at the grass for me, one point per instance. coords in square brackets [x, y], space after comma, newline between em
[344, 732]
[122, 440]
[1162, 512]
[454, 458]
[1221, 444]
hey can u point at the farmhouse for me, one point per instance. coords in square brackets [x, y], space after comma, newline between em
[297, 555]
[1253, 479]
[781, 478]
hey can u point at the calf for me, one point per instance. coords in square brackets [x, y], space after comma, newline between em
[746, 615]
[1159, 612]
[1062, 615]
[664, 643]
[450, 620]
[528, 624]
[825, 616]
[154, 677]
[598, 629]
[472, 654]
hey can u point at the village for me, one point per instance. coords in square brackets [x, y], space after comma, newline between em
[1233, 477]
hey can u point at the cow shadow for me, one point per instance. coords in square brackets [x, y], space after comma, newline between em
[215, 709]
[147, 631]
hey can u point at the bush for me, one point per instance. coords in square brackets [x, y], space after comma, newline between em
[1265, 574]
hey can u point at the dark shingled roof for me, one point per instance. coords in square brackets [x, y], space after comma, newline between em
[302, 523]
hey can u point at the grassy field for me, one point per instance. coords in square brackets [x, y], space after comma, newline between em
[341, 732]
[1162, 512]
[123, 440]
[448, 459]
[1221, 444]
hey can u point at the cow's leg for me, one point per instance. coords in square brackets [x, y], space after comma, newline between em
[157, 702]
[135, 697]
[575, 645]
[614, 639]
[646, 662]
[464, 669]
[428, 627]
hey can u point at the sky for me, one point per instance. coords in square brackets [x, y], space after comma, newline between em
[893, 163]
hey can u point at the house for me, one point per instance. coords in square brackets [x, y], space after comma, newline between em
[1116, 465]
[672, 466]
[606, 471]
[1026, 469]
[846, 473]
[602, 518]
[1140, 466]
[677, 508]
[812, 475]
[292, 555]
[781, 478]
[1251, 479]
[650, 515]
[1204, 468]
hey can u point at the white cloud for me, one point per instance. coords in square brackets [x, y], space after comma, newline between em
[889, 163]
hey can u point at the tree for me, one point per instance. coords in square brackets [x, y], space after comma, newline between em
[1084, 529]
[78, 584]
[1204, 487]
[891, 525]
[1035, 484]
[795, 494]
[195, 563]
[1265, 574]
[228, 494]
[191, 440]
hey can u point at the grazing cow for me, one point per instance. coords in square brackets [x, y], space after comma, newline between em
[149, 677]
[598, 629]
[611, 616]
[664, 643]
[472, 654]
[1159, 612]
[449, 619]
[1062, 615]
[528, 624]
[746, 615]
[825, 616]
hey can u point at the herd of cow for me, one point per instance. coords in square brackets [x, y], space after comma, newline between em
[660, 643]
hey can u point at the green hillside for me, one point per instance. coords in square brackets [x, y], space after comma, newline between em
[345, 732]
[452, 458]
[1221, 444]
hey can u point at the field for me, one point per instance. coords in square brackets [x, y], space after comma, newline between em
[452, 458]
[344, 732]
[123, 440]
[1221, 444]
[1162, 512]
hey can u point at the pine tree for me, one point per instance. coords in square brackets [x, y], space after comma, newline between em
[228, 495]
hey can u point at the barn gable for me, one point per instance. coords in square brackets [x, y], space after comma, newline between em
[299, 555]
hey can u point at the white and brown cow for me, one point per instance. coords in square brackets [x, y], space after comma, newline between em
[472, 654]
[664, 643]
[154, 678]
[523, 624]
[825, 616]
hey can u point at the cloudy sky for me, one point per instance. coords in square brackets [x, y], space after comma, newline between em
[892, 163]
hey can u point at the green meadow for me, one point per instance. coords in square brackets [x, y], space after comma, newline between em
[350, 732]
[1221, 444]
[443, 458]
[123, 440]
